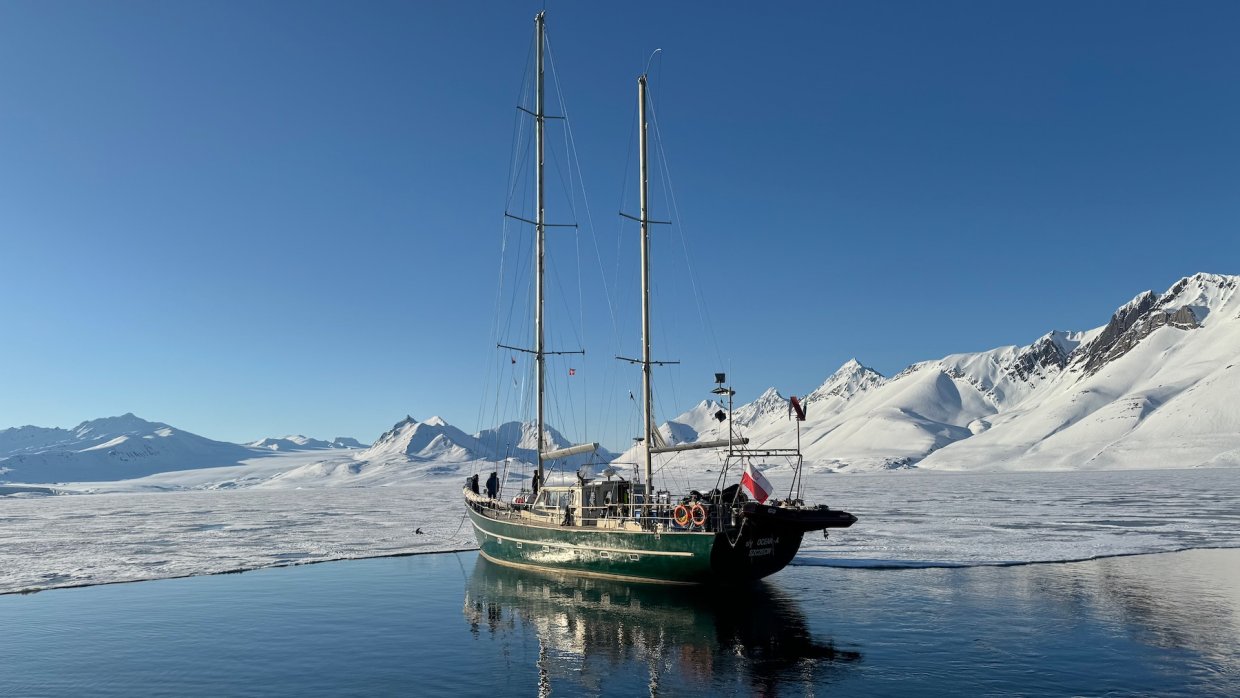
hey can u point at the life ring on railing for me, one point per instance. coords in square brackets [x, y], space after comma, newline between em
[698, 514]
[681, 515]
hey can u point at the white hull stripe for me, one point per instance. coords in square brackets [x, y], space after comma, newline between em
[584, 573]
[575, 546]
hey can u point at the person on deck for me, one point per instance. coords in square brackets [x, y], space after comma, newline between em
[492, 485]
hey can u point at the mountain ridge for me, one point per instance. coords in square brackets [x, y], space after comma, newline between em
[1152, 387]
[939, 413]
[109, 448]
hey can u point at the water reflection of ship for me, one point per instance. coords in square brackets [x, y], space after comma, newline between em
[588, 627]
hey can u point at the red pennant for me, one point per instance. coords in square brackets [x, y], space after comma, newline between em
[796, 405]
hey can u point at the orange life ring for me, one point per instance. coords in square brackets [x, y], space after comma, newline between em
[698, 514]
[681, 515]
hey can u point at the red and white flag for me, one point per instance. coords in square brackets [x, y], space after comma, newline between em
[755, 483]
[572, 371]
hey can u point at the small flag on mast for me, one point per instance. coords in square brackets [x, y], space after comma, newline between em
[514, 359]
[755, 483]
[572, 371]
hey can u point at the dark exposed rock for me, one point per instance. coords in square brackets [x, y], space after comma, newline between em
[1045, 357]
[1043, 354]
[1131, 324]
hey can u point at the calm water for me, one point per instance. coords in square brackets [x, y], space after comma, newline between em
[455, 624]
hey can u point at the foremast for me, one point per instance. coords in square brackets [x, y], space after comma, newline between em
[540, 226]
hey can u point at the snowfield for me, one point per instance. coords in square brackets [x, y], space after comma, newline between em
[907, 519]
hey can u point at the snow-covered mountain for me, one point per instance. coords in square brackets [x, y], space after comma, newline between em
[849, 380]
[769, 405]
[297, 442]
[698, 424]
[520, 440]
[433, 439]
[111, 448]
[31, 439]
[411, 450]
[1154, 387]
[292, 442]
[347, 442]
[127, 447]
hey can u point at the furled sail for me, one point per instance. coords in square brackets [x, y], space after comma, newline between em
[570, 451]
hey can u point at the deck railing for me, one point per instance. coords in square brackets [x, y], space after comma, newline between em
[660, 517]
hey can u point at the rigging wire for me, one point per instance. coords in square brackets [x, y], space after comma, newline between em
[671, 192]
[565, 176]
[575, 162]
[513, 164]
[569, 174]
[575, 166]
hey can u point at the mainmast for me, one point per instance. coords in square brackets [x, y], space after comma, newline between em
[647, 410]
[540, 225]
[649, 447]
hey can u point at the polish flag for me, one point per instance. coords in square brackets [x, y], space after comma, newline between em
[755, 483]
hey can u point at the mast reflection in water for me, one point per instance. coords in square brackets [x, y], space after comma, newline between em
[604, 636]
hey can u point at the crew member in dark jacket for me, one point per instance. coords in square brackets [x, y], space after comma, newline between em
[492, 485]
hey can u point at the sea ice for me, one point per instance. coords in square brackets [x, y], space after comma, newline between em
[905, 519]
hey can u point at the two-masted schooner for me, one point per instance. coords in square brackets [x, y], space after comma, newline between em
[619, 528]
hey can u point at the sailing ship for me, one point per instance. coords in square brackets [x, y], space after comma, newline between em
[622, 528]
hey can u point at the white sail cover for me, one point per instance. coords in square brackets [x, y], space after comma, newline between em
[570, 451]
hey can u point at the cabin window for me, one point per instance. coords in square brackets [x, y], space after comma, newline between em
[553, 499]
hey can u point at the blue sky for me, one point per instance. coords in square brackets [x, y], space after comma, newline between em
[251, 219]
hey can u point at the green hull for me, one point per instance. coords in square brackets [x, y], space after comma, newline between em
[737, 555]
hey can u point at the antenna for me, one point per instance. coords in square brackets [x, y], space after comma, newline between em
[650, 60]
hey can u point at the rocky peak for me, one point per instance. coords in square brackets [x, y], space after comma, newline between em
[1135, 321]
[1202, 293]
[396, 429]
[127, 423]
[851, 366]
[849, 380]
[1048, 354]
[768, 403]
